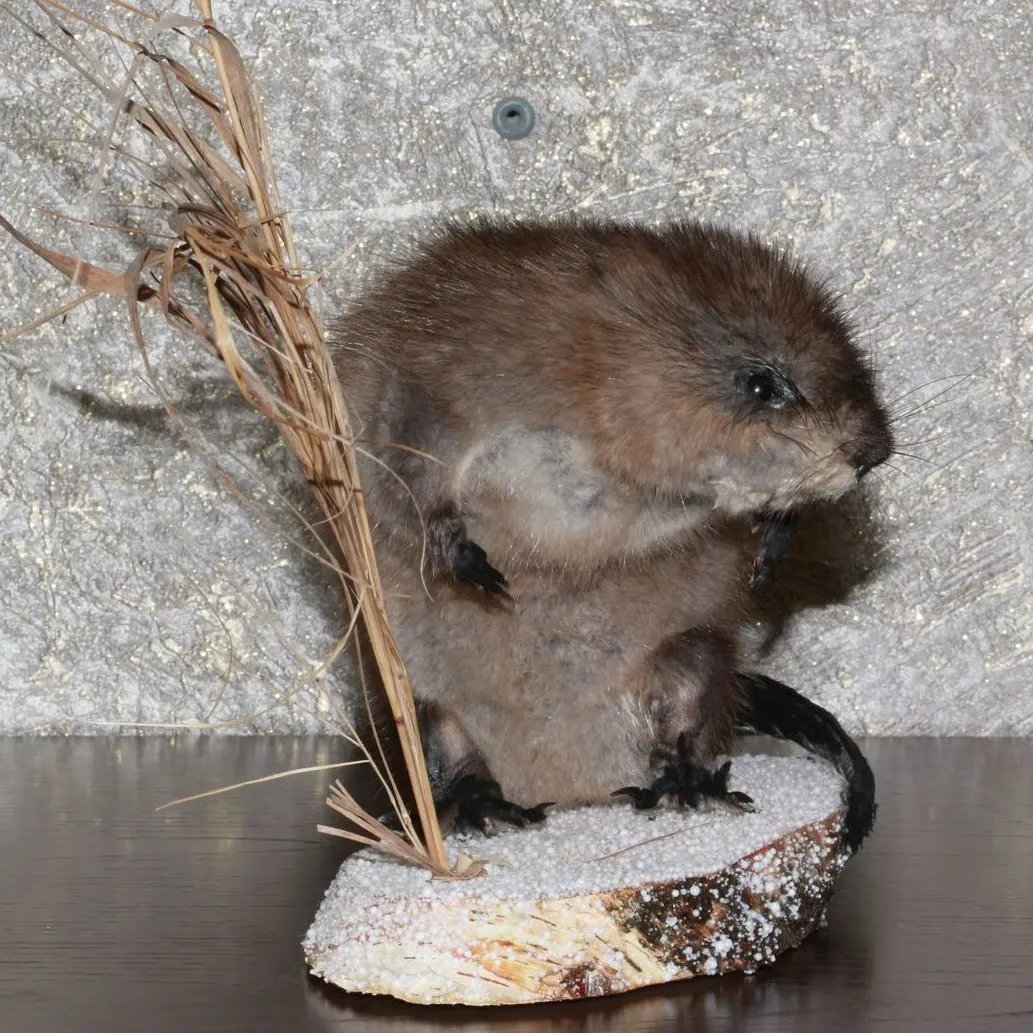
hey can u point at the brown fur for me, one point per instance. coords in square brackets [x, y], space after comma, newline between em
[562, 691]
[574, 399]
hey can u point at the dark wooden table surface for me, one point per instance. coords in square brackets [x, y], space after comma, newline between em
[116, 918]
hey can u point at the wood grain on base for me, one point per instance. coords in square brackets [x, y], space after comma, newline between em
[473, 950]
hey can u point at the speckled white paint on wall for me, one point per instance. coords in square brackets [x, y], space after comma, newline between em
[888, 141]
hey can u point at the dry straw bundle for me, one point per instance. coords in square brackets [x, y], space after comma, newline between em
[256, 310]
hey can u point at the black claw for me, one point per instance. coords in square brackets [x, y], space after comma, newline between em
[533, 815]
[643, 799]
[479, 804]
[473, 568]
[741, 801]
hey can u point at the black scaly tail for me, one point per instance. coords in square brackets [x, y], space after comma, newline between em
[771, 708]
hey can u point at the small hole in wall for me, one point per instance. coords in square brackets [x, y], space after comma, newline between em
[513, 118]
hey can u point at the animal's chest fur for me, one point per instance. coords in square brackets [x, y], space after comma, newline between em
[537, 497]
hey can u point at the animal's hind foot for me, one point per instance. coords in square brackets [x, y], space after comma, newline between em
[690, 785]
[475, 802]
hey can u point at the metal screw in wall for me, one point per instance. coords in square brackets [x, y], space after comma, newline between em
[513, 118]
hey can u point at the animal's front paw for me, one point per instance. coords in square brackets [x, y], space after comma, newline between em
[690, 785]
[472, 567]
[478, 803]
[779, 528]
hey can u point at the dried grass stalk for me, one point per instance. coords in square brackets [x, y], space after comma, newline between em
[229, 227]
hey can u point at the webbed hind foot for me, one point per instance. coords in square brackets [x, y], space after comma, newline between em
[475, 802]
[690, 785]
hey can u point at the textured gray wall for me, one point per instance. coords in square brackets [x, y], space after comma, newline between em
[890, 141]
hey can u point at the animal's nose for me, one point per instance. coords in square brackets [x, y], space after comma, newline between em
[873, 448]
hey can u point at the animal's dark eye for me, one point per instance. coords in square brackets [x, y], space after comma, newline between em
[761, 387]
[765, 387]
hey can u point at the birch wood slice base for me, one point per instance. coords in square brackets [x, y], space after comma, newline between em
[594, 901]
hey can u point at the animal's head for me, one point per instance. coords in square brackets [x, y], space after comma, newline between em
[739, 378]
